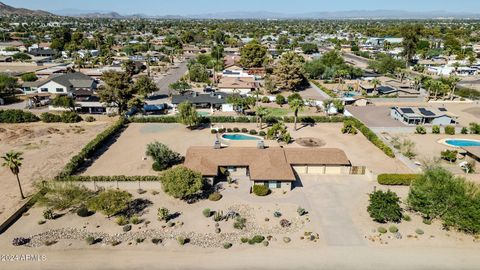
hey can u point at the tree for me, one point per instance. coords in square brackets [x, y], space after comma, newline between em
[280, 99]
[411, 36]
[117, 89]
[110, 202]
[145, 86]
[198, 73]
[268, 84]
[29, 77]
[181, 182]
[187, 114]
[162, 156]
[309, 48]
[385, 64]
[180, 86]
[261, 113]
[64, 101]
[296, 105]
[253, 55]
[21, 56]
[376, 83]
[385, 207]
[289, 71]
[8, 85]
[13, 161]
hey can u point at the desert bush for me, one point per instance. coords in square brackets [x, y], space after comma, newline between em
[41, 222]
[17, 116]
[162, 156]
[474, 128]
[229, 130]
[277, 214]
[421, 130]
[213, 131]
[90, 240]
[262, 133]
[382, 230]
[163, 214]
[83, 211]
[70, 117]
[48, 214]
[182, 240]
[265, 100]
[407, 217]
[156, 241]
[135, 220]
[393, 229]
[261, 190]
[90, 119]
[301, 211]
[62, 196]
[244, 130]
[396, 179]
[207, 212]
[385, 207]
[215, 196]
[181, 182]
[244, 240]
[435, 129]
[280, 99]
[127, 228]
[110, 202]
[450, 130]
[257, 239]
[121, 220]
[240, 223]
[47, 117]
[464, 130]
[227, 245]
[449, 155]
[349, 127]
[419, 231]
[252, 132]
[284, 223]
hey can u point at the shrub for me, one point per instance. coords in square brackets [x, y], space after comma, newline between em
[419, 231]
[162, 156]
[163, 214]
[215, 196]
[421, 130]
[218, 216]
[227, 245]
[207, 212]
[349, 127]
[265, 243]
[240, 223]
[257, 239]
[449, 155]
[135, 220]
[253, 132]
[90, 119]
[139, 240]
[301, 211]
[48, 214]
[262, 133]
[121, 220]
[50, 117]
[235, 129]
[181, 182]
[70, 117]
[110, 202]
[182, 240]
[213, 131]
[287, 240]
[62, 196]
[450, 130]
[407, 217]
[127, 228]
[156, 241]
[385, 207]
[427, 221]
[90, 240]
[435, 129]
[280, 99]
[396, 179]
[474, 128]
[41, 222]
[265, 100]
[382, 230]
[115, 243]
[261, 190]
[244, 130]
[229, 130]
[17, 116]
[393, 229]
[277, 214]
[464, 130]
[20, 241]
[284, 223]
[84, 212]
[244, 240]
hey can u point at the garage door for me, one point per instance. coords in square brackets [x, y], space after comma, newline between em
[316, 169]
[333, 170]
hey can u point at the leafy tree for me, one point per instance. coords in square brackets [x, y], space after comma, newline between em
[289, 71]
[64, 101]
[110, 202]
[241, 103]
[385, 206]
[280, 99]
[173, 42]
[162, 156]
[198, 73]
[411, 37]
[187, 114]
[180, 86]
[309, 48]
[29, 77]
[8, 85]
[144, 86]
[253, 55]
[268, 84]
[385, 64]
[117, 89]
[296, 105]
[13, 161]
[21, 56]
[181, 182]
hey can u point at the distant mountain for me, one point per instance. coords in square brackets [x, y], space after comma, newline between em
[6, 10]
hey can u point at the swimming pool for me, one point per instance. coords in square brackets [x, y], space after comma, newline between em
[461, 142]
[240, 137]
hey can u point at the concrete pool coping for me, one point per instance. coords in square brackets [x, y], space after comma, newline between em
[444, 141]
[243, 134]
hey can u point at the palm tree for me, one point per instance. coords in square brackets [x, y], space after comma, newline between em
[453, 84]
[375, 82]
[13, 160]
[261, 112]
[296, 105]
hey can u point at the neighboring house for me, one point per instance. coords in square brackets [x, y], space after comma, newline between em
[241, 85]
[42, 52]
[217, 101]
[274, 167]
[61, 84]
[358, 101]
[423, 116]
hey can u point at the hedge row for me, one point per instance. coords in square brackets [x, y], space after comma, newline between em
[119, 178]
[88, 151]
[372, 137]
[396, 179]
[17, 116]
[64, 117]
[241, 119]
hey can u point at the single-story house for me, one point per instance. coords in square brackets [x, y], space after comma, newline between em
[213, 100]
[61, 84]
[355, 101]
[274, 167]
[423, 116]
[241, 85]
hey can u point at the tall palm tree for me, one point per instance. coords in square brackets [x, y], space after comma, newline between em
[261, 112]
[453, 85]
[13, 160]
[376, 83]
[296, 105]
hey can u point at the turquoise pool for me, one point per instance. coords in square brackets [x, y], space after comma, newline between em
[462, 142]
[240, 137]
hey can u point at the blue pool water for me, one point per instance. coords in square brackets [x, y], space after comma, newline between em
[462, 143]
[239, 137]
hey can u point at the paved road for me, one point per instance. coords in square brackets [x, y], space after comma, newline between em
[172, 76]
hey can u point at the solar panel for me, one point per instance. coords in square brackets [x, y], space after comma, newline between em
[426, 112]
[442, 109]
[406, 110]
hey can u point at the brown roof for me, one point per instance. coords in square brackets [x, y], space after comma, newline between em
[264, 164]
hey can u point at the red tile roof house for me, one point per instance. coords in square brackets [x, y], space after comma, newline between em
[274, 167]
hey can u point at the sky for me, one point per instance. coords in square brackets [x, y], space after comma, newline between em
[189, 7]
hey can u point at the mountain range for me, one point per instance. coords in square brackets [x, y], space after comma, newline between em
[6, 10]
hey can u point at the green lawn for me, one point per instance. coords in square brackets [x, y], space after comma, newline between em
[279, 112]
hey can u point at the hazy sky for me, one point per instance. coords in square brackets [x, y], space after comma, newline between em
[186, 7]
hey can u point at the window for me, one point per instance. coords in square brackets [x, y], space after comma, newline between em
[44, 89]
[59, 90]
